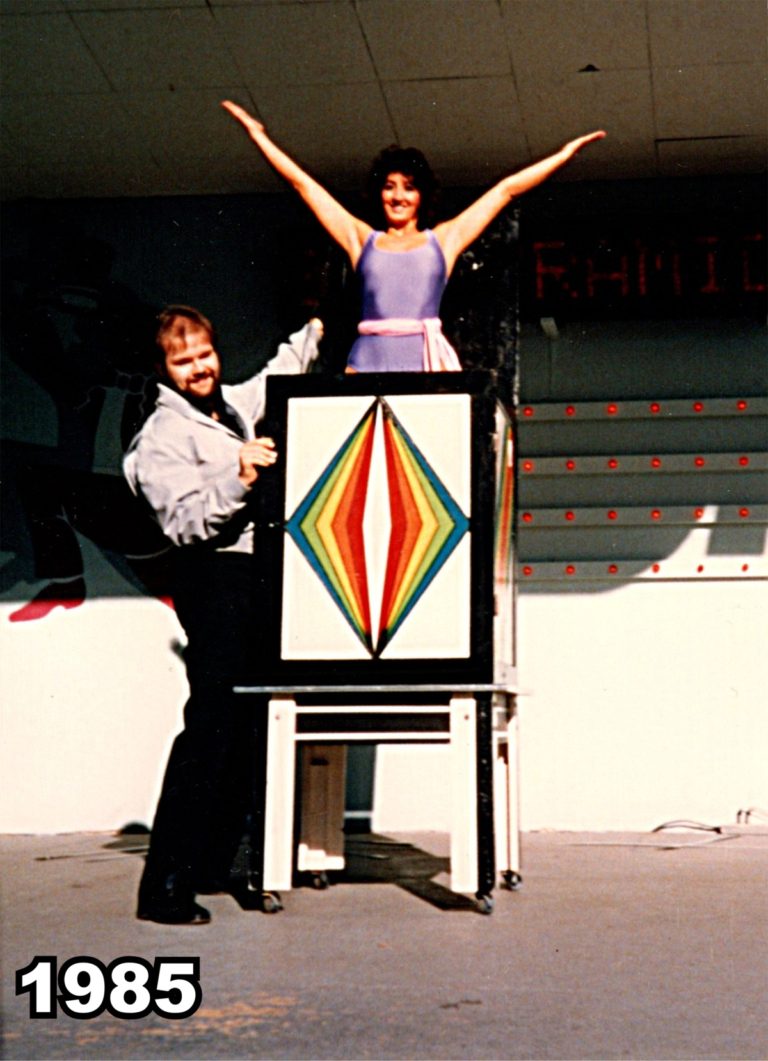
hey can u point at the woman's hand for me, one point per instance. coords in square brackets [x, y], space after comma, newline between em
[248, 121]
[574, 146]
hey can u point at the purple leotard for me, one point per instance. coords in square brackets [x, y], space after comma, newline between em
[397, 284]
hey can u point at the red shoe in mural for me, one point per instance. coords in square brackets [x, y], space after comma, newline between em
[68, 594]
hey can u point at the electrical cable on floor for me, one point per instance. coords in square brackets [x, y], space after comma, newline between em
[719, 833]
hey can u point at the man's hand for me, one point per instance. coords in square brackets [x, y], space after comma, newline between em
[260, 453]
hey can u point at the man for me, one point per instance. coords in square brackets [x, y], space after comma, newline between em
[195, 463]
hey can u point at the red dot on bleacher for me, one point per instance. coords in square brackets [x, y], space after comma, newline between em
[570, 515]
[655, 407]
[612, 409]
[613, 514]
[612, 569]
[570, 570]
[570, 410]
[656, 514]
[743, 461]
[570, 465]
[744, 513]
[656, 462]
[699, 462]
[698, 407]
[613, 463]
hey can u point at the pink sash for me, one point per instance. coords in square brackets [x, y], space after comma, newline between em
[439, 355]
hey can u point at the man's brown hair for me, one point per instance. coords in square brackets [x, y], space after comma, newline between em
[173, 324]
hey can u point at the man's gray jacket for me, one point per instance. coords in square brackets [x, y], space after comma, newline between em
[186, 465]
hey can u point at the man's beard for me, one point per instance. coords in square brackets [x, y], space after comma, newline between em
[210, 403]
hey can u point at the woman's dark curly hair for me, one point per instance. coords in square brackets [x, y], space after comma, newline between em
[411, 163]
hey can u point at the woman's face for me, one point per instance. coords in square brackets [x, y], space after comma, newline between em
[400, 199]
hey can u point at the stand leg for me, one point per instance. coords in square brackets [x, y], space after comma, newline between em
[486, 868]
[464, 818]
[506, 798]
[321, 832]
[279, 809]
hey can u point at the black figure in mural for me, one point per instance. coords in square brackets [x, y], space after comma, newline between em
[79, 339]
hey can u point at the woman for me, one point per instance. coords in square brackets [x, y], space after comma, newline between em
[403, 268]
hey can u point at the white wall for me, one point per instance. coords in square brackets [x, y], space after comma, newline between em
[91, 698]
[647, 703]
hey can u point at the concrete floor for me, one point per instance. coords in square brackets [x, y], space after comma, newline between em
[615, 947]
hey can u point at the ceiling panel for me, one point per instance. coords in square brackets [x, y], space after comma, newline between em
[128, 5]
[707, 31]
[462, 125]
[481, 86]
[14, 169]
[687, 158]
[334, 133]
[44, 53]
[30, 7]
[560, 37]
[296, 44]
[558, 109]
[422, 39]
[169, 48]
[724, 100]
[100, 145]
[195, 142]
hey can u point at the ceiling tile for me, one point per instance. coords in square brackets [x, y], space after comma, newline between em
[557, 109]
[707, 31]
[153, 48]
[128, 5]
[456, 121]
[296, 44]
[335, 132]
[44, 54]
[196, 143]
[424, 39]
[79, 146]
[30, 7]
[722, 100]
[687, 158]
[563, 36]
[14, 169]
[88, 105]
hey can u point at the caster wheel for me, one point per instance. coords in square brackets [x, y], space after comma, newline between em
[484, 904]
[271, 903]
[319, 881]
[512, 880]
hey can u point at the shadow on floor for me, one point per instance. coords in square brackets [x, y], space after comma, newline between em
[370, 859]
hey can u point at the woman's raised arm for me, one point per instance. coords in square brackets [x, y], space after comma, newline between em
[457, 234]
[348, 231]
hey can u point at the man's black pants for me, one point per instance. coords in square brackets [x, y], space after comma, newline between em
[211, 785]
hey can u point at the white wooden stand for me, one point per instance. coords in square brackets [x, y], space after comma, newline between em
[320, 733]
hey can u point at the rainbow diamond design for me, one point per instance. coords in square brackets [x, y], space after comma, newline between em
[329, 527]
